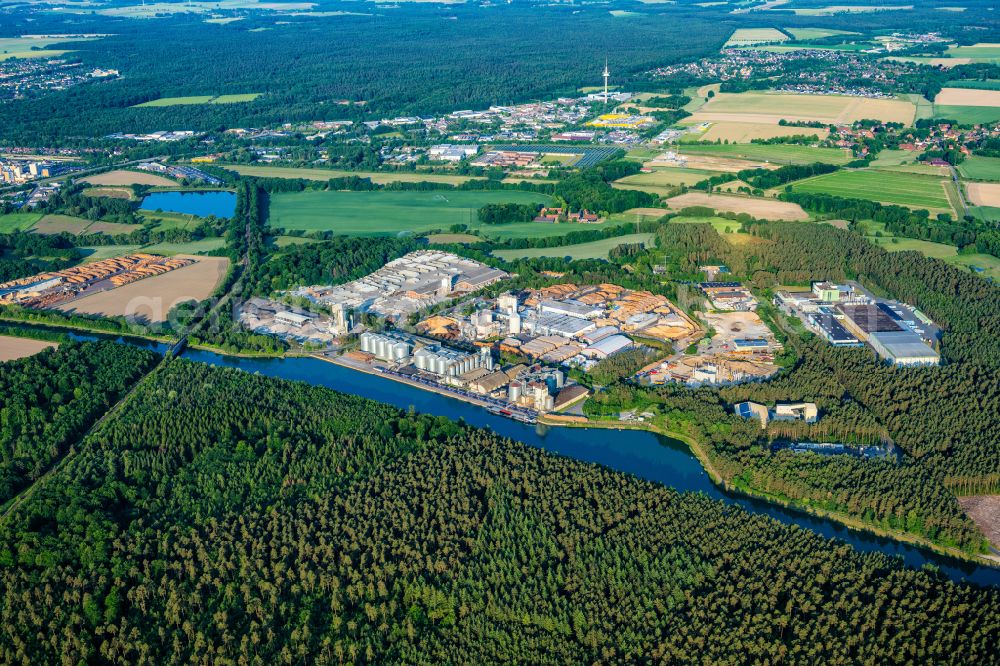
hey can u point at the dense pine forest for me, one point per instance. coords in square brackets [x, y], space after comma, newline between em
[52, 398]
[222, 517]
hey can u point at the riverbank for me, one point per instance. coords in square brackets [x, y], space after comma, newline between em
[851, 522]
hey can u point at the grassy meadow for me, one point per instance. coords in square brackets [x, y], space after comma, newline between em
[377, 177]
[393, 213]
[980, 168]
[593, 250]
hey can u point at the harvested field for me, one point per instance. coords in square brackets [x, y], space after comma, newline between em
[13, 348]
[646, 212]
[112, 228]
[108, 192]
[151, 299]
[748, 36]
[57, 224]
[769, 108]
[985, 511]
[124, 177]
[745, 132]
[984, 194]
[968, 97]
[769, 209]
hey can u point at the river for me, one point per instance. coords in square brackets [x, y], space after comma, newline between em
[644, 454]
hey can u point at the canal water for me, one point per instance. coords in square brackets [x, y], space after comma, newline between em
[644, 454]
[201, 204]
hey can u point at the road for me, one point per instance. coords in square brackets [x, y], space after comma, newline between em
[958, 187]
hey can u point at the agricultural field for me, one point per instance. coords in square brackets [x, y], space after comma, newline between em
[777, 154]
[848, 9]
[12, 348]
[728, 229]
[751, 36]
[167, 220]
[57, 224]
[192, 247]
[112, 228]
[984, 194]
[665, 178]
[771, 107]
[975, 84]
[377, 177]
[12, 222]
[815, 33]
[109, 192]
[439, 239]
[968, 115]
[392, 213]
[101, 252]
[29, 46]
[125, 177]
[151, 299]
[980, 168]
[767, 209]
[901, 188]
[200, 99]
[904, 160]
[746, 132]
[982, 52]
[967, 97]
[592, 250]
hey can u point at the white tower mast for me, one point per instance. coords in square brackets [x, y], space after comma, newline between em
[606, 75]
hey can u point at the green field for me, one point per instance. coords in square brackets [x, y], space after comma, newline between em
[904, 189]
[720, 224]
[378, 177]
[980, 168]
[988, 84]
[745, 36]
[12, 222]
[285, 241]
[392, 213]
[107, 251]
[977, 53]
[200, 99]
[194, 247]
[777, 153]
[166, 220]
[968, 115]
[593, 250]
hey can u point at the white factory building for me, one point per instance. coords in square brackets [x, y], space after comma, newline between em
[386, 346]
[450, 362]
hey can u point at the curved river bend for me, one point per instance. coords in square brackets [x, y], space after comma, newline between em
[644, 454]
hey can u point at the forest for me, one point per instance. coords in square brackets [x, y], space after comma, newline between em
[52, 398]
[224, 517]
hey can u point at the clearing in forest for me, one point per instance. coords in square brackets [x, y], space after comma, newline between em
[200, 99]
[598, 249]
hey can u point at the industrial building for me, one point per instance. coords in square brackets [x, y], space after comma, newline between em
[450, 362]
[903, 348]
[795, 411]
[387, 346]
